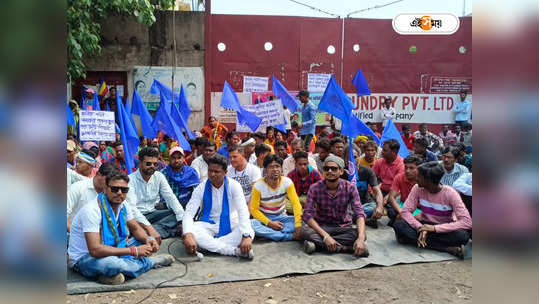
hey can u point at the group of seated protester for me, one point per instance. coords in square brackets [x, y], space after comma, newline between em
[218, 200]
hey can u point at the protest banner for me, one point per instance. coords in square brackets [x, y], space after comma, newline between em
[97, 126]
[271, 113]
[255, 84]
[317, 82]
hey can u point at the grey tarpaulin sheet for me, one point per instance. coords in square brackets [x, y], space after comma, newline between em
[272, 259]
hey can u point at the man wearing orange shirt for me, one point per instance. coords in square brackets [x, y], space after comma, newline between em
[387, 167]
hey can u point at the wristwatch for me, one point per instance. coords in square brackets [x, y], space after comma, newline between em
[246, 235]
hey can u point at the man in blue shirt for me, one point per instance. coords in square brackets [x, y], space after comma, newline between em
[308, 118]
[462, 110]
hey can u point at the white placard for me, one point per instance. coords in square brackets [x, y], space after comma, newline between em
[271, 113]
[97, 126]
[255, 84]
[317, 82]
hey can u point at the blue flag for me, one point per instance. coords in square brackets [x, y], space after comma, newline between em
[229, 100]
[128, 135]
[280, 91]
[179, 99]
[179, 120]
[335, 102]
[183, 105]
[70, 116]
[391, 132]
[138, 108]
[128, 111]
[356, 127]
[96, 106]
[163, 122]
[361, 84]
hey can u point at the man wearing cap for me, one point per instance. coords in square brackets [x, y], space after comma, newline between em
[147, 188]
[329, 224]
[308, 118]
[181, 178]
[85, 164]
[248, 144]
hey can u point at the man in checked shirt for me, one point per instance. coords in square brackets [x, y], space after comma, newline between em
[329, 224]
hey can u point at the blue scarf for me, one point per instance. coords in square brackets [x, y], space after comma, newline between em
[112, 234]
[224, 220]
[188, 177]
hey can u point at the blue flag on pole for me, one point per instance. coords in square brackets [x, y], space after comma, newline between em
[361, 84]
[163, 122]
[356, 127]
[229, 100]
[179, 120]
[96, 106]
[280, 91]
[128, 135]
[138, 108]
[179, 99]
[336, 102]
[391, 132]
[183, 105]
[70, 116]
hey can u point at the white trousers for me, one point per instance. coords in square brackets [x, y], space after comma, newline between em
[205, 233]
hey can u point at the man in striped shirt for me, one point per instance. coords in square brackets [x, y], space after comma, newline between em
[268, 201]
[440, 205]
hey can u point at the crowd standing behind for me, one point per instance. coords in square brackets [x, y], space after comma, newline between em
[293, 186]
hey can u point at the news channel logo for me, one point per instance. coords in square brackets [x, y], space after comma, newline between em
[426, 23]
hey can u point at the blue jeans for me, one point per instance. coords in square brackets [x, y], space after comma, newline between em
[369, 208]
[130, 266]
[266, 232]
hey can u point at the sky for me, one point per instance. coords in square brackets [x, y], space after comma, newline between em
[338, 7]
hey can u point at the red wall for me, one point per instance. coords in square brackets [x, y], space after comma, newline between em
[300, 47]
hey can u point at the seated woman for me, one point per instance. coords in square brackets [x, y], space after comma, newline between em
[436, 229]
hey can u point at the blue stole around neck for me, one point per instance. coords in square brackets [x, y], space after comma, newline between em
[224, 220]
[112, 234]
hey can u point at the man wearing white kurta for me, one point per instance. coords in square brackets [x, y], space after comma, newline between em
[213, 230]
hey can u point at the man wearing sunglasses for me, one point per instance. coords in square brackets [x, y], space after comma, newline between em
[329, 224]
[100, 244]
[148, 187]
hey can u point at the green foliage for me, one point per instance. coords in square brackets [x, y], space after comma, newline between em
[83, 29]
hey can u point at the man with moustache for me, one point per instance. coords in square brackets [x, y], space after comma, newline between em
[148, 187]
[332, 208]
[100, 244]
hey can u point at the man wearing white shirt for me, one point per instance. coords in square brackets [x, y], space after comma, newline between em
[242, 171]
[387, 112]
[148, 187]
[200, 163]
[222, 225]
[86, 190]
[107, 242]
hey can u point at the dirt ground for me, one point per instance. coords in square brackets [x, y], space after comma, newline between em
[440, 282]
